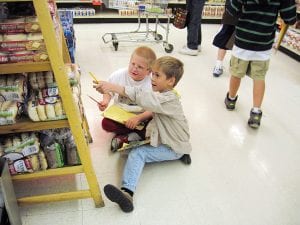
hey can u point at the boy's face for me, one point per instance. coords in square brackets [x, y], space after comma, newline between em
[138, 68]
[160, 82]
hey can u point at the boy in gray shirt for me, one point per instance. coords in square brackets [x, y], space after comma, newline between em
[168, 130]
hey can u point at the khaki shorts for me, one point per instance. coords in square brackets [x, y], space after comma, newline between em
[255, 69]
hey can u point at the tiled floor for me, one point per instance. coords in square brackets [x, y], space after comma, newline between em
[238, 176]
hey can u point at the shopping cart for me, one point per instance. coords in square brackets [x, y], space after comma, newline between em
[146, 9]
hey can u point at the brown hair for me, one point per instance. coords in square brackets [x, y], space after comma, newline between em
[147, 53]
[170, 66]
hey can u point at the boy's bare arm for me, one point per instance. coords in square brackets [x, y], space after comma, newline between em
[105, 87]
[105, 101]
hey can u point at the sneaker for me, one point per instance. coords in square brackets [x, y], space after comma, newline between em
[218, 71]
[122, 198]
[254, 120]
[199, 48]
[187, 51]
[117, 142]
[186, 159]
[230, 104]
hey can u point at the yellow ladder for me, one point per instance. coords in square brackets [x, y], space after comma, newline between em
[58, 55]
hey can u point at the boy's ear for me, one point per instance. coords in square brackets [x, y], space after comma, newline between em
[171, 81]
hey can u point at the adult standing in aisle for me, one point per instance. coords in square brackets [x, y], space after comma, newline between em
[224, 39]
[255, 33]
[194, 33]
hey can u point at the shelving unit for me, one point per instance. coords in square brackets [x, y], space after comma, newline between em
[106, 15]
[285, 48]
[58, 56]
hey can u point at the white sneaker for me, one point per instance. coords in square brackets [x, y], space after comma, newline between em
[218, 71]
[187, 51]
[199, 48]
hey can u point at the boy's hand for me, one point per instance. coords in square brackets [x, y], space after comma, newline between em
[102, 86]
[102, 105]
[132, 123]
[105, 87]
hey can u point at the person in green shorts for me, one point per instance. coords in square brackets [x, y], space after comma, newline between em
[255, 33]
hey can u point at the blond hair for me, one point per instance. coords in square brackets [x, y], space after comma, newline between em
[145, 52]
[170, 66]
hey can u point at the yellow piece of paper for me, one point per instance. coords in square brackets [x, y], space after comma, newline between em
[116, 113]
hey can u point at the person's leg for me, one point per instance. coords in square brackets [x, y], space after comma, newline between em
[195, 8]
[234, 85]
[258, 70]
[238, 68]
[258, 92]
[138, 157]
[221, 54]
[112, 126]
[200, 33]
[132, 172]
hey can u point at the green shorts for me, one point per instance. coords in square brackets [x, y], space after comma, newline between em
[255, 69]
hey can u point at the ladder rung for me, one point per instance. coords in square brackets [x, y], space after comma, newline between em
[55, 197]
[49, 173]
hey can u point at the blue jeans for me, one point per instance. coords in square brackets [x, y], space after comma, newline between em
[194, 36]
[139, 156]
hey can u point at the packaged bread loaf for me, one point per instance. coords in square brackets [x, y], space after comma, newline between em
[9, 111]
[32, 110]
[20, 166]
[13, 87]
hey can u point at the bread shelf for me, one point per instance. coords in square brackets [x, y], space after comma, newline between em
[58, 57]
[49, 173]
[24, 67]
[26, 125]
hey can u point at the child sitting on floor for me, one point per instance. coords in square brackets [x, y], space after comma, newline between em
[138, 74]
[168, 130]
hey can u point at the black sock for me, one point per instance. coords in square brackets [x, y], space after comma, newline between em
[127, 191]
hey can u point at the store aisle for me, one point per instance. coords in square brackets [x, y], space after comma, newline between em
[238, 176]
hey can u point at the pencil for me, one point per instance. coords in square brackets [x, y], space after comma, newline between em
[93, 99]
[93, 76]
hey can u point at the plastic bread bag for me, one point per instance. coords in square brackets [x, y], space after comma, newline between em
[52, 150]
[71, 152]
[20, 166]
[9, 111]
[42, 160]
[15, 147]
[13, 87]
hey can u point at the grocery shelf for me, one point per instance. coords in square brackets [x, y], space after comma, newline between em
[49, 173]
[24, 67]
[74, 1]
[26, 125]
[290, 51]
[58, 57]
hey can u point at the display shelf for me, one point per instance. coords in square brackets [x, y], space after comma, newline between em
[49, 173]
[107, 15]
[290, 51]
[74, 1]
[24, 67]
[26, 125]
[58, 56]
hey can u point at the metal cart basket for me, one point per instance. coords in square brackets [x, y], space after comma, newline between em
[144, 9]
